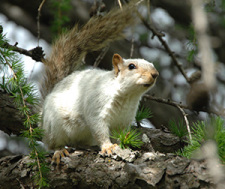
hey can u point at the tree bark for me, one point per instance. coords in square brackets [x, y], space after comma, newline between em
[87, 169]
[11, 121]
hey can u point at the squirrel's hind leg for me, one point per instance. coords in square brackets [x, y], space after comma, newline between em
[58, 154]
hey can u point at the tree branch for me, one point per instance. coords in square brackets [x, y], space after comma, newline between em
[166, 101]
[100, 57]
[38, 20]
[166, 46]
[176, 104]
[86, 169]
[186, 122]
[36, 54]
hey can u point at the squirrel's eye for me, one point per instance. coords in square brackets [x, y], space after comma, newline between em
[131, 66]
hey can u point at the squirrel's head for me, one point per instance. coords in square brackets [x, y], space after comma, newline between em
[136, 74]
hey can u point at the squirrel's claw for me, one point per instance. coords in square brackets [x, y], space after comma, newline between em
[58, 154]
[108, 149]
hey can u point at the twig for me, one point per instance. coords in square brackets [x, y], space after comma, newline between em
[120, 5]
[21, 185]
[166, 101]
[38, 20]
[148, 6]
[166, 46]
[17, 49]
[100, 57]
[175, 104]
[132, 47]
[36, 53]
[136, 4]
[186, 122]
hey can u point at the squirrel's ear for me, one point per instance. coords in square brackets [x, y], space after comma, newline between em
[117, 59]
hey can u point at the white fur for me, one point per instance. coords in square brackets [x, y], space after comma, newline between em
[86, 105]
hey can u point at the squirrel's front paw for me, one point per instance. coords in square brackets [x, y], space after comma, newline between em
[107, 149]
[58, 154]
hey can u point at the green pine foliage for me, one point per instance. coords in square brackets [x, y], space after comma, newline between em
[219, 136]
[192, 45]
[198, 137]
[202, 131]
[143, 113]
[128, 138]
[178, 128]
[15, 83]
[60, 10]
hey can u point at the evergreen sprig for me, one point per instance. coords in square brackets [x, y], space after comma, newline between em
[178, 128]
[198, 137]
[143, 113]
[192, 45]
[15, 83]
[202, 131]
[60, 11]
[128, 138]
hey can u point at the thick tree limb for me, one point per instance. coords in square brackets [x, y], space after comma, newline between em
[86, 169]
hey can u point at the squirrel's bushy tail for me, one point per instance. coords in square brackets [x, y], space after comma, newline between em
[69, 50]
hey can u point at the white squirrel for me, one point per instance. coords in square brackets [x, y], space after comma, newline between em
[82, 107]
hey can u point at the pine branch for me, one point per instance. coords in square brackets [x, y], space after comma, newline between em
[25, 113]
[23, 95]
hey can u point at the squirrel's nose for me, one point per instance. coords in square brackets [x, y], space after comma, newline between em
[155, 75]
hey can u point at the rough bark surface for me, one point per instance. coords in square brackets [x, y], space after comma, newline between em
[161, 141]
[10, 118]
[88, 169]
